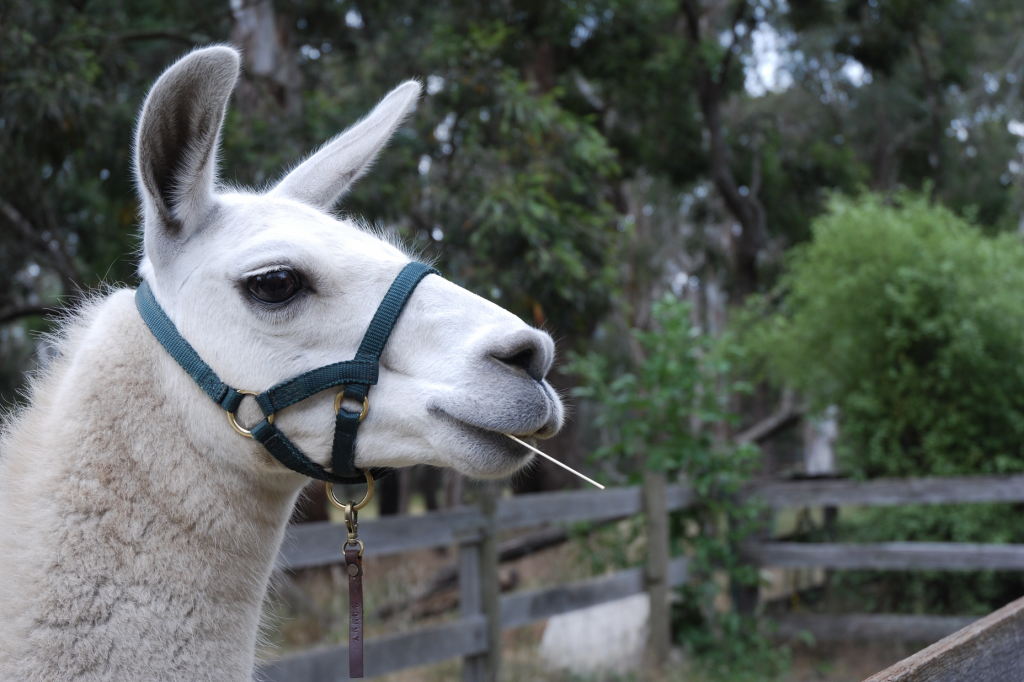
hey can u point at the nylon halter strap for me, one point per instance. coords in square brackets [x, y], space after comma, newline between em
[355, 376]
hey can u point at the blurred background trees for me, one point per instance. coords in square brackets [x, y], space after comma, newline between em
[572, 161]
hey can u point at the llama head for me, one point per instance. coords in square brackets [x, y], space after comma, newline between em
[266, 286]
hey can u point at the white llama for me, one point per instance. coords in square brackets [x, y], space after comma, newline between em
[149, 556]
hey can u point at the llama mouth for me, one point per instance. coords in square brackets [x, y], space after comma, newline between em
[543, 432]
[494, 442]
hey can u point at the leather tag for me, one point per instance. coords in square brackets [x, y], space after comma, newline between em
[355, 612]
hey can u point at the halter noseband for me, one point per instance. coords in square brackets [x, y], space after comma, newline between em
[355, 376]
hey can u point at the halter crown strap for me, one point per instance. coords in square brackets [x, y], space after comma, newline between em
[167, 334]
[356, 375]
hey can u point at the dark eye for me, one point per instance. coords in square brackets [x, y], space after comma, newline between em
[274, 287]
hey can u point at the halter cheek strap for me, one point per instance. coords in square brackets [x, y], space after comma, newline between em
[355, 376]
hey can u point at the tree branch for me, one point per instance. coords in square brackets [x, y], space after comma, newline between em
[747, 210]
[53, 249]
[690, 11]
[723, 68]
[27, 311]
[755, 172]
[932, 98]
[156, 35]
[787, 413]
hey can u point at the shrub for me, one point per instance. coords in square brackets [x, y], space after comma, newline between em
[911, 320]
[664, 415]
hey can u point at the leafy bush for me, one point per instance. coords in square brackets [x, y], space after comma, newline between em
[664, 411]
[665, 415]
[911, 320]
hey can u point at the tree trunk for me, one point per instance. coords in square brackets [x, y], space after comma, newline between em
[749, 234]
[933, 99]
[270, 67]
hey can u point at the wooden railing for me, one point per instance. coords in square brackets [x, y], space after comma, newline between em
[475, 636]
[901, 556]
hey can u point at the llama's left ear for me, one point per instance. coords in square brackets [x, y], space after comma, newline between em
[177, 141]
[322, 178]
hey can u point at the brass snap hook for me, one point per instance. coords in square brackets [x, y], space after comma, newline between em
[352, 526]
[234, 423]
[351, 510]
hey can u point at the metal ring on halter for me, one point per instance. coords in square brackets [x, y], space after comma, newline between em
[341, 396]
[366, 498]
[234, 424]
[354, 542]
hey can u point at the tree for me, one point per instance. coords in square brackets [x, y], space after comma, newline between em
[71, 78]
[923, 91]
[907, 318]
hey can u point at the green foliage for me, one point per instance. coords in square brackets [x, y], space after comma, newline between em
[665, 416]
[666, 410]
[499, 181]
[910, 320]
[911, 119]
[518, 184]
[730, 650]
[878, 35]
[72, 75]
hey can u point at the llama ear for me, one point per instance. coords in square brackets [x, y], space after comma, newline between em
[322, 178]
[178, 138]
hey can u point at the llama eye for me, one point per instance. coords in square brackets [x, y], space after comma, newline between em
[274, 287]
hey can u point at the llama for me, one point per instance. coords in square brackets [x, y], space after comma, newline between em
[150, 557]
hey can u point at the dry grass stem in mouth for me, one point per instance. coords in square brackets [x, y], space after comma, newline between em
[552, 459]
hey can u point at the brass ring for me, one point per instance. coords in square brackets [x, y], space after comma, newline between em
[234, 424]
[366, 498]
[354, 542]
[366, 405]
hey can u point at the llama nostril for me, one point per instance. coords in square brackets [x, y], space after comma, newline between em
[522, 359]
[526, 351]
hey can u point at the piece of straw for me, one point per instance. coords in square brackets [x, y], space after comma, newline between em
[552, 459]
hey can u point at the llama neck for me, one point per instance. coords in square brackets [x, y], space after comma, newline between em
[135, 540]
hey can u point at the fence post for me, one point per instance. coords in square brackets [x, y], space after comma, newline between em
[656, 570]
[470, 604]
[490, 583]
[480, 590]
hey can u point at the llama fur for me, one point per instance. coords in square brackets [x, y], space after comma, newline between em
[149, 555]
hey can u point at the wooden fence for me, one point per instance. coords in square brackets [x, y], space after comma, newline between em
[475, 636]
[932, 556]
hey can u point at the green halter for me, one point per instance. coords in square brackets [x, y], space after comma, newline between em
[356, 376]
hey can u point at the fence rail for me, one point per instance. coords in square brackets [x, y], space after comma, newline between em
[525, 607]
[828, 627]
[309, 545]
[319, 544]
[475, 635]
[889, 492]
[383, 655]
[888, 556]
[985, 649]
[466, 636]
